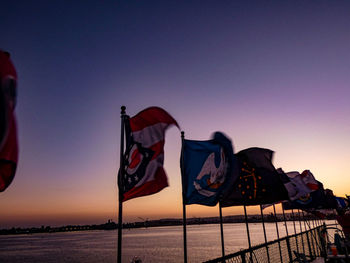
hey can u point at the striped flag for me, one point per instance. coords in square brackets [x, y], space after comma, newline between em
[298, 185]
[143, 172]
[8, 129]
[309, 179]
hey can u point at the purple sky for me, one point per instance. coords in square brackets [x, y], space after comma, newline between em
[269, 74]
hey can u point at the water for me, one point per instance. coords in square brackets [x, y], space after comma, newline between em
[157, 244]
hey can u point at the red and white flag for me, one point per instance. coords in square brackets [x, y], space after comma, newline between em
[300, 185]
[143, 172]
[309, 179]
[8, 129]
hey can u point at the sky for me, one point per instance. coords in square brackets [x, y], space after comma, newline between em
[271, 74]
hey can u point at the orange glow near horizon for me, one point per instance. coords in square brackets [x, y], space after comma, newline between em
[212, 65]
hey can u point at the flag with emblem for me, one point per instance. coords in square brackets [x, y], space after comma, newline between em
[8, 129]
[258, 181]
[318, 199]
[297, 184]
[207, 169]
[143, 172]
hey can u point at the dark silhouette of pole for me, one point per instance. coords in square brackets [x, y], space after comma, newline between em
[287, 239]
[120, 185]
[222, 232]
[295, 232]
[335, 218]
[263, 224]
[301, 230]
[314, 235]
[183, 198]
[310, 244]
[249, 243]
[278, 235]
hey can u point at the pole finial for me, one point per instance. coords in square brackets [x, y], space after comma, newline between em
[123, 108]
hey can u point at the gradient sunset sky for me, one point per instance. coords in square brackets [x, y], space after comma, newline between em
[271, 74]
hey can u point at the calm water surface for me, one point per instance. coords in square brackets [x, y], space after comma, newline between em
[157, 244]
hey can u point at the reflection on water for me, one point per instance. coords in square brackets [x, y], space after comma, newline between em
[158, 244]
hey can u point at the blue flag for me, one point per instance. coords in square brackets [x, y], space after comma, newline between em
[207, 169]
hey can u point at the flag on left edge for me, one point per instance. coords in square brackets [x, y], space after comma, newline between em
[143, 172]
[8, 127]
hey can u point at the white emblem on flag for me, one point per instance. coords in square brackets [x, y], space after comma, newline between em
[216, 174]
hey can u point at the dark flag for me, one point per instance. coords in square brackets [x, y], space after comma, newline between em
[342, 203]
[319, 199]
[8, 129]
[143, 172]
[207, 169]
[258, 181]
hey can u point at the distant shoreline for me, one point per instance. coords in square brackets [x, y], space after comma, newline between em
[110, 225]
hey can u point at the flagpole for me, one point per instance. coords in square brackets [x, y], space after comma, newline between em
[311, 245]
[278, 235]
[301, 230]
[222, 231]
[313, 222]
[183, 198]
[288, 241]
[295, 231]
[317, 247]
[120, 177]
[335, 218]
[249, 243]
[263, 223]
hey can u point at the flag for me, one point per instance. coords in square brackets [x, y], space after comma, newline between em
[258, 181]
[297, 184]
[309, 179]
[8, 129]
[143, 172]
[318, 199]
[207, 169]
[331, 201]
[342, 203]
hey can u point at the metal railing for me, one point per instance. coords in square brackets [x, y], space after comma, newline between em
[294, 248]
